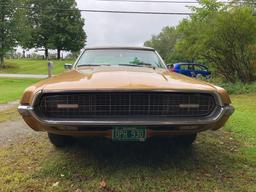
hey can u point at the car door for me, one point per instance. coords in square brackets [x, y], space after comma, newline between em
[191, 70]
[200, 70]
[184, 69]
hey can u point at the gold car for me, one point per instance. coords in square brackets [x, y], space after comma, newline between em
[125, 94]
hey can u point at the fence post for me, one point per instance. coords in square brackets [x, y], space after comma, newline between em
[50, 66]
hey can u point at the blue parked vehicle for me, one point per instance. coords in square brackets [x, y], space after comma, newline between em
[192, 70]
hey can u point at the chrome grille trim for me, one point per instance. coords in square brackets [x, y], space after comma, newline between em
[137, 104]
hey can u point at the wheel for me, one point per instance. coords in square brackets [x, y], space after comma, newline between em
[200, 77]
[186, 140]
[60, 141]
[208, 77]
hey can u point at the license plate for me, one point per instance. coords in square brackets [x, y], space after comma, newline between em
[129, 133]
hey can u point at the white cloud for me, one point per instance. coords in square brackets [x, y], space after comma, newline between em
[133, 29]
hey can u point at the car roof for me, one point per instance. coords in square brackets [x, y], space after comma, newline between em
[178, 64]
[121, 47]
[185, 64]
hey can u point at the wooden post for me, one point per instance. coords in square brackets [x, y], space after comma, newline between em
[50, 66]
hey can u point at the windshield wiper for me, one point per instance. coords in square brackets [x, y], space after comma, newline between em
[145, 64]
[89, 65]
[141, 64]
[132, 65]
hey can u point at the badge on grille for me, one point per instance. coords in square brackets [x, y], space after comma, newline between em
[189, 105]
[67, 106]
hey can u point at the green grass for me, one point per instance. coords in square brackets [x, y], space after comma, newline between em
[224, 160]
[11, 88]
[33, 66]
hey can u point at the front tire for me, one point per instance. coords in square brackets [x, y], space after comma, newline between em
[199, 77]
[60, 141]
[186, 140]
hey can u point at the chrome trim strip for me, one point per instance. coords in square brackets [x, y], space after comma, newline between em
[225, 110]
[136, 122]
[25, 110]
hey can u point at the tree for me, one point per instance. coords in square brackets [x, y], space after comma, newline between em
[222, 36]
[192, 32]
[164, 42]
[24, 34]
[232, 44]
[8, 30]
[68, 29]
[41, 19]
[55, 27]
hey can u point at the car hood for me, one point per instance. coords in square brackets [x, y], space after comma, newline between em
[122, 78]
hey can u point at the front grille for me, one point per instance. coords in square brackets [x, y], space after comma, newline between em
[124, 104]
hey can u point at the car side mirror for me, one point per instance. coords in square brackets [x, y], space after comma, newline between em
[68, 66]
[169, 66]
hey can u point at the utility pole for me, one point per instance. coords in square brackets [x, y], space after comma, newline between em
[50, 66]
[2, 18]
[254, 11]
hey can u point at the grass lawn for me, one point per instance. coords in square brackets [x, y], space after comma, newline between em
[224, 160]
[33, 66]
[12, 88]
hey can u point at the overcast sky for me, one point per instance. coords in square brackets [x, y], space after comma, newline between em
[132, 29]
[125, 29]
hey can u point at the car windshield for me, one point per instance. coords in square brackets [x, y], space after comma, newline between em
[120, 57]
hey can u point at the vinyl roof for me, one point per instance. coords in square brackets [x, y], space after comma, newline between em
[120, 47]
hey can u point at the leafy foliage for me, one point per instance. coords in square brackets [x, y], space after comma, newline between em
[40, 23]
[23, 25]
[55, 28]
[219, 35]
[8, 29]
[68, 33]
[164, 42]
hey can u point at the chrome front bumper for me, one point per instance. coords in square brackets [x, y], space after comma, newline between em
[215, 117]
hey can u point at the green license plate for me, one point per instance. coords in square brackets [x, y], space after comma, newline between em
[129, 133]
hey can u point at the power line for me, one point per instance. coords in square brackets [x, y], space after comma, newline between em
[136, 12]
[112, 11]
[170, 1]
[145, 1]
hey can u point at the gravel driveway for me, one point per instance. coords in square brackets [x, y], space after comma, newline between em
[30, 76]
[9, 105]
[13, 130]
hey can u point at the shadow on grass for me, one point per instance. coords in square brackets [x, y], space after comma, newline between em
[8, 66]
[140, 165]
[205, 156]
[152, 153]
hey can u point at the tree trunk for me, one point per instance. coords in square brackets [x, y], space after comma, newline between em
[58, 53]
[23, 53]
[2, 53]
[46, 53]
[2, 61]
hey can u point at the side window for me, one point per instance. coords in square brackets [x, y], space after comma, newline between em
[183, 67]
[204, 68]
[198, 68]
[190, 67]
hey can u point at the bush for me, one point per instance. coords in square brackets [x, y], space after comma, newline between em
[239, 87]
